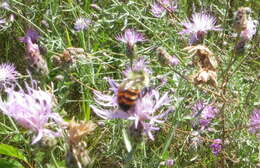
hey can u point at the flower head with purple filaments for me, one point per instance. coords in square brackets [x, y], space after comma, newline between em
[2, 21]
[8, 75]
[160, 8]
[138, 66]
[31, 35]
[30, 39]
[198, 26]
[205, 113]
[250, 30]
[216, 146]
[169, 5]
[32, 109]
[142, 113]
[145, 107]
[130, 37]
[255, 122]
[168, 163]
[82, 24]
[157, 10]
[33, 54]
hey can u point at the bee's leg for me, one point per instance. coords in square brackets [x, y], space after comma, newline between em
[145, 91]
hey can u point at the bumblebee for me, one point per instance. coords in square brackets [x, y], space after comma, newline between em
[241, 18]
[132, 89]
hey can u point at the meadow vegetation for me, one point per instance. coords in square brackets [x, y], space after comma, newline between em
[195, 63]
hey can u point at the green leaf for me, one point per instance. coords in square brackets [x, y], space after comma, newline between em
[187, 118]
[127, 141]
[12, 152]
[165, 153]
[68, 37]
[4, 163]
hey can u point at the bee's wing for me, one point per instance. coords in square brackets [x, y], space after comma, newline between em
[127, 84]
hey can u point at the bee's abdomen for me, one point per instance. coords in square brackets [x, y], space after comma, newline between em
[127, 98]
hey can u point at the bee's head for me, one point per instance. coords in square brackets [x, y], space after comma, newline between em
[140, 78]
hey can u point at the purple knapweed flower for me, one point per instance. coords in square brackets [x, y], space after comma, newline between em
[33, 54]
[31, 35]
[2, 21]
[168, 163]
[5, 5]
[139, 65]
[174, 61]
[130, 37]
[160, 8]
[205, 113]
[8, 75]
[143, 113]
[198, 26]
[81, 23]
[216, 146]
[255, 122]
[169, 5]
[32, 109]
[250, 30]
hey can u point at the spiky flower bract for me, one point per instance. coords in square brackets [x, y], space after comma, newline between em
[8, 75]
[198, 26]
[32, 109]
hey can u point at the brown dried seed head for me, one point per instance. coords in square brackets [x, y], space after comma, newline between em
[69, 56]
[77, 130]
[205, 58]
[78, 156]
[205, 76]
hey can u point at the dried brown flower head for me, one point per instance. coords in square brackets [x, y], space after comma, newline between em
[77, 130]
[69, 56]
[78, 156]
[205, 58]
[205, 76]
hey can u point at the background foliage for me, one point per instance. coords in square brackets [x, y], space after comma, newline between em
[106, 58]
